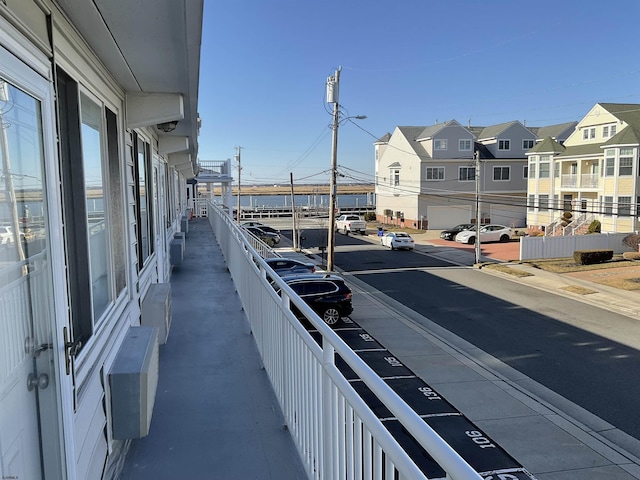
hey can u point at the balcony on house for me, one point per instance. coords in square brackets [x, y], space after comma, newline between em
[214, 171]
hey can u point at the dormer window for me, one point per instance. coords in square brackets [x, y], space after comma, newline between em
[527, 144]
[464, 145]
[440, 144]
[589, 133]
[504, 144]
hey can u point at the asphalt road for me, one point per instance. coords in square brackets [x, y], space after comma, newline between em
[547, 337]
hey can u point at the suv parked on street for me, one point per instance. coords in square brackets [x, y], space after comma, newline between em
[327, 294]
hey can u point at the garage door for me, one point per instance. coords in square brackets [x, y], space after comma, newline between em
[511, 216]
[446, 217]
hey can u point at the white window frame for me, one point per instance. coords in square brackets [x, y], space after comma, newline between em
[527, 143]
[609, 169]
[546, 171]
[607, 205]
[504, 145]
[626, 201]
[502, 169]
[467, 169]
[440, 144]
[433, 170]
[464, 145]
[626, 154]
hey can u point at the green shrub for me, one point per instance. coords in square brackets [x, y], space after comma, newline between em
[595, 227]
[370, 217]
[589, 257]
[566, 218]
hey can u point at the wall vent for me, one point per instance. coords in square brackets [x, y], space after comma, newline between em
[133, 381]
[156, 310]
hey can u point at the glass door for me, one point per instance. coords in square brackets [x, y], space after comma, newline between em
[30, 418]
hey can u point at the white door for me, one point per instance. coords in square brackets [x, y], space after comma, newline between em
[30, 419]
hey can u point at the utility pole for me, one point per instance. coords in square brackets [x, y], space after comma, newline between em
[478, 216]
[333, 87]
[239, 170]
[293, 216]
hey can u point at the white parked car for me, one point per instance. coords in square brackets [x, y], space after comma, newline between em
[488, 233]
[395, 240]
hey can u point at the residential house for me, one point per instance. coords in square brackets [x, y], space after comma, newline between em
[98, 135]
[594, 175]
[426, 176]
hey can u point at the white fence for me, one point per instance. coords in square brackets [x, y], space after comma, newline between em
[564, 246]
[336, 433]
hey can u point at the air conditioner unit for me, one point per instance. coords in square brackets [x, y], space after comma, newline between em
[156, 310]
[133, 381]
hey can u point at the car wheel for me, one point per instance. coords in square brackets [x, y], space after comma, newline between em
[345, 231]
[331, 315]
[391, 246]
[504, 238]
[472, 241]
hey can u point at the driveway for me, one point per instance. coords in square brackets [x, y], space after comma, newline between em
[499, 251]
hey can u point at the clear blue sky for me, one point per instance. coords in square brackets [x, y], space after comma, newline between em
[264, 66]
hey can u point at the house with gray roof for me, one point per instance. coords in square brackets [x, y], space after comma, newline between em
[426, 175]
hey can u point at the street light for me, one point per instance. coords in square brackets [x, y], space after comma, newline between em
[333, 84]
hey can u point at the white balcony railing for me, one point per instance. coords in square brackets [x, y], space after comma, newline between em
[589, 180]
[336, 433]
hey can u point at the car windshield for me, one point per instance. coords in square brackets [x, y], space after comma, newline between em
[402, 235]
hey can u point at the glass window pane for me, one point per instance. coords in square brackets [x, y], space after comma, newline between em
[92, 131]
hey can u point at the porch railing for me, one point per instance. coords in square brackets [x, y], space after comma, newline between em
[336, 433]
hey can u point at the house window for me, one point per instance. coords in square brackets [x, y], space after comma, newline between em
[626, 161]
[434, 173]
[531, 203]
[394, 178]
[543, 202]
[585, 134]
[504, 144]
[556, 170]
[624, 206]
[525, 171]
[605, 131]
[440, 144]
[501, 174]
[92, 197]
[607, 205]
[589, 133]
[543, 171]
[144, 200]
[610, 163]
[527, 144]
[612, 130]
[464, 145]
[466, 174]
[532, 170]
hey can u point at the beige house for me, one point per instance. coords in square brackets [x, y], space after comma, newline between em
[594, 175]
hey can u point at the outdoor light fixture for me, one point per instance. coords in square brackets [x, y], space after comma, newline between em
[167, 127]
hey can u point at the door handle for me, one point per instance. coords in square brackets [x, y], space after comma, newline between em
[70, 350]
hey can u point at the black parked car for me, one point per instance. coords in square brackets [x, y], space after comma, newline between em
[269, 238]
[452, 232]
[286, 266]
[261, 226]
[327, 294]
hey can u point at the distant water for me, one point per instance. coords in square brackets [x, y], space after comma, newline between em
[311, 201]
